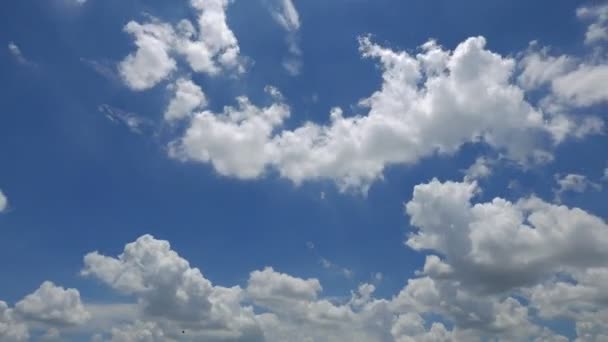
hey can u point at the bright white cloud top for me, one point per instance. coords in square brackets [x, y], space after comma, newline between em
[431, 102]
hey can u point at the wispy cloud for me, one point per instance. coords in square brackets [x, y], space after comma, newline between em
[573, 183]
[135, 123]
[17, 54]
[103, 68]
[286, 15]
[329, 265]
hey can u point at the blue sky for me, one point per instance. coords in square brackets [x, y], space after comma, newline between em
[91, 161]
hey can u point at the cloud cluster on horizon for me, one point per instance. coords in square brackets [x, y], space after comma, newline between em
[493, 270]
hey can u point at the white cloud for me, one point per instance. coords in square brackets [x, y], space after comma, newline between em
[505, 244]
[430, 103]
[11, 329]
[540, 68]
[172, 295]
[49, 309]
[139, 332]
[573, 81]
[187, 98]
[151, 63]
[492, 251]
[481, 168]
[574, 183]
[270, 288]
[598, 29]
[292, 308]
[3, 201]
[584, 86]
[208, 48]
[236, 142]
[53, 305]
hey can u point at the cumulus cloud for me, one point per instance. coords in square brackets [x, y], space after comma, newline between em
[481, 168]
[492, 270]
[50, 308]
[598, 29]
[473, 282]
[286, 15]
[11, 329]
[172, 295]
[236, 142]
[433, 102]
[485, 254]
[53, 305]
[207, 47]
[151, 63]
[187, 97]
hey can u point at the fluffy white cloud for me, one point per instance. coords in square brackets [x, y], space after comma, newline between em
[53, 305]
[139, 332]
[481, 168]
[208, 48]
[552, 255]
[11, 329]
[494, 269]
[500, 245]
[236, 142]
[187, 97]
[50, 308]
[433, 102]
[173, 295]
[598, 29]
[3, 201]
[268, 286]
[151, 63]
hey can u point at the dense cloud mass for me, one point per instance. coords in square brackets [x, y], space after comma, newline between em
[431, 102]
